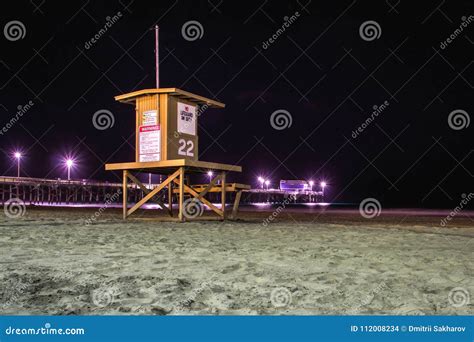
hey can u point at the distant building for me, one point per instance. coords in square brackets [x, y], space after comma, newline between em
[295, 185]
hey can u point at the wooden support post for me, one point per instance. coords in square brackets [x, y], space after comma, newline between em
[181, 194]
[170, 198]
[223, 184]
[235, 209]
[124, 193]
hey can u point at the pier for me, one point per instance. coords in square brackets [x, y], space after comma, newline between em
[43, 191]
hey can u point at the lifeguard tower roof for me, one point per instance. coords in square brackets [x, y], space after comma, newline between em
[130, 98]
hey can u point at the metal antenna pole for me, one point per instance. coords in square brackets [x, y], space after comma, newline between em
[157, 71]
[157, 57]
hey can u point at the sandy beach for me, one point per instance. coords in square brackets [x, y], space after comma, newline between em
[320, 264]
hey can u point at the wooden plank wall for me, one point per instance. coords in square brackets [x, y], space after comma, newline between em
[143, 104]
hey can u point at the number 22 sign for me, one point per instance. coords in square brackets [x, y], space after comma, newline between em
[186, 148]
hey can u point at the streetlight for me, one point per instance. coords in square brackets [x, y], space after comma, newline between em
[267, 182]
[210, 173]
[323, 185]
[69, 165]
[261, 180]
[17, 156]
[311, 183]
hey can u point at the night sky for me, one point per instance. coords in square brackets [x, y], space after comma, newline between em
[320, 70]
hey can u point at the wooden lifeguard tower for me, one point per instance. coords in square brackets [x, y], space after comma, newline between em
[167, 143]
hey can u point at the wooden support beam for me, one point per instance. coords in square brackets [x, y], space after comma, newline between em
[192, 165]
[153, 192]
[137, 182]
[170, 198]
[147, 191]
[124, 193]
[235, 208]
[211, 184]
[181, 194]
[202, 199]
[230, 187]
[223, 194]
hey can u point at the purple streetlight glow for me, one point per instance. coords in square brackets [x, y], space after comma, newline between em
[261, 180]
[210, 174]
[69, 164]
[323, 185]
[17, 156]
[267, 183]
[311, 183]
